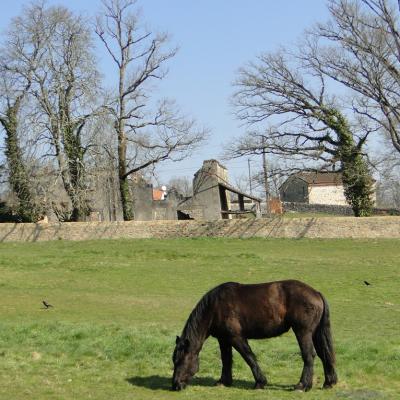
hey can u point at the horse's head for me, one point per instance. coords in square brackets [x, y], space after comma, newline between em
[186, 363]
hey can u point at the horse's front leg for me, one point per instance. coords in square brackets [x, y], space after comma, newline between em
[308, 353]
[242, 346]
[226, 358]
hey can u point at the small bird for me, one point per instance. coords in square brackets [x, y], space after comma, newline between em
[46, 305]
[367, 283]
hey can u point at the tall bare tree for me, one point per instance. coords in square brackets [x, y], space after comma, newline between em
[305, 123]
[20, 55]
[147, 132]
[65, 86]
[360, 48]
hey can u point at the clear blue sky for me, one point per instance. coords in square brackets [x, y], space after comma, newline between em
[215, 38]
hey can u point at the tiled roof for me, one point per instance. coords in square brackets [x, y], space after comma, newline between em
[321, 178]
[158, 194]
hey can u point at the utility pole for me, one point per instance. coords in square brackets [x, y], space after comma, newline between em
[266, 186]
[251, 189]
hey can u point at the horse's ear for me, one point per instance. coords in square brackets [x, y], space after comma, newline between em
[177, 339]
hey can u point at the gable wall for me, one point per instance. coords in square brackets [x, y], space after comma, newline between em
[333, 195]
[294, 190]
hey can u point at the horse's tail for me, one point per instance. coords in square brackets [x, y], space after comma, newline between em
[323, 344]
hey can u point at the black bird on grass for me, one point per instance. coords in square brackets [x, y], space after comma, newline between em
[367, 283]
[46, 305]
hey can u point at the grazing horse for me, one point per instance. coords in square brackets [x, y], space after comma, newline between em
[234, 312]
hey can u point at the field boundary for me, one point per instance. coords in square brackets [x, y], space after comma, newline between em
[276, 227]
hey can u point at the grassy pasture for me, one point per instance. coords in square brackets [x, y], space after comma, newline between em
[119, 304]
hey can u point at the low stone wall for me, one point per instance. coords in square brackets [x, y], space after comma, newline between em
[318, 208]
[277, 227]
[333, 209]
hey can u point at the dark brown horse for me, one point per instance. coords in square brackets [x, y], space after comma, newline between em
[233, 313]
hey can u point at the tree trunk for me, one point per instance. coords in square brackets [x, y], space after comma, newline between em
[266, 185]
[28, 211]
[76, 170]
[126, 196]
[357, 180]
[126, 199]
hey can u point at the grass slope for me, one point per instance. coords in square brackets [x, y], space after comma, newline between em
[119, 304]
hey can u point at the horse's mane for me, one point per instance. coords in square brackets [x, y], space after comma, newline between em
[193, 328]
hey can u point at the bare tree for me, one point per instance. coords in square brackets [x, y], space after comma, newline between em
[20, 56]
[268, 182]
[242, 182]
[360, 48]
[387, 164]
[146, 133]
[102, 168]
[309, 125]
[183, 185]
[65, 87]
[388, 186]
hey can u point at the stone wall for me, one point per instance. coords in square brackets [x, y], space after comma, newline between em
[317, 208]
[333, 209]
[278, 227]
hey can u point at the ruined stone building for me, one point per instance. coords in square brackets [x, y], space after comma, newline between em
[211, 199]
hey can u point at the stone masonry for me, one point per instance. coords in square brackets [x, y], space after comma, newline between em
[276, 227]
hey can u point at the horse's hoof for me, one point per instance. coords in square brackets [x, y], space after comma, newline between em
[330, 383]
[300, 387]
[260, 385]
[223, 384]
[328, 386]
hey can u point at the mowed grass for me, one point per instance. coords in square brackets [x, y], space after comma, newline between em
[118, 306]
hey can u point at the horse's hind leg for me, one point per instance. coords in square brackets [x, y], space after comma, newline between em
[308, 353]
[325, 353]
[226, 357]
[242, 346]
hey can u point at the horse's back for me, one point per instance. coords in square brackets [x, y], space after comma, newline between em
[265, 309]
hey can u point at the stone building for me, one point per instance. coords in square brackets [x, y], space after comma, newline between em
[211, 199]
[212, 194]
[154, 204]
[314, 188]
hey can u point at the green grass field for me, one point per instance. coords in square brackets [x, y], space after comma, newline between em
[119, 304]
